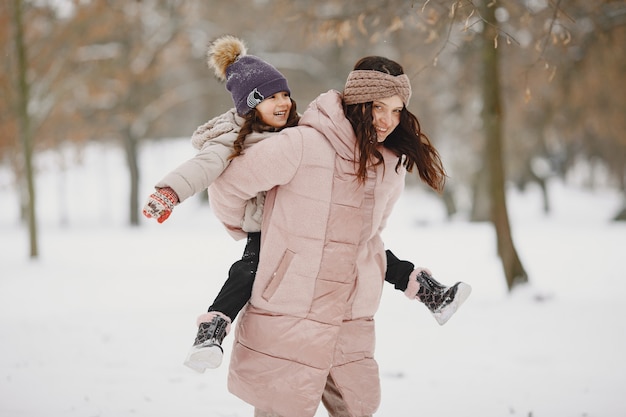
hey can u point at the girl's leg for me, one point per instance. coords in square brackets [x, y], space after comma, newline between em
[237, 288]
[441, 300]
[398, 271]
[213, 326]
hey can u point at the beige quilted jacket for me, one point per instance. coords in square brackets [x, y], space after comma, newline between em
[214, 141]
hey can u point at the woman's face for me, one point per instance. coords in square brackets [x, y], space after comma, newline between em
[274, 110]
[386, 116]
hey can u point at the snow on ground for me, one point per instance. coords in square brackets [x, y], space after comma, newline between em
[100, 324]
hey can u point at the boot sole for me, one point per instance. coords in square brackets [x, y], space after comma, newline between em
[204, 357]
[463, 291]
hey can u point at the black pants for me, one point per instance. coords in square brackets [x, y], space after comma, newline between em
[237, 289]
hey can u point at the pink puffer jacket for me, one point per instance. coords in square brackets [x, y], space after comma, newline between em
[322, 266]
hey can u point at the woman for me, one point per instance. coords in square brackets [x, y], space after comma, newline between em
[224, 138]
[331, 182]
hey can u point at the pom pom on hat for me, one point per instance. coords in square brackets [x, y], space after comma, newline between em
[249, 79]
[223, 52]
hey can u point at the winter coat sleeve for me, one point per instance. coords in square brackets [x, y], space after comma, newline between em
[398, 271]
[214, 141]
[197, 173]
[268, 164]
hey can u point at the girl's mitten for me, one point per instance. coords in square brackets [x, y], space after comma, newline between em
[160, 204]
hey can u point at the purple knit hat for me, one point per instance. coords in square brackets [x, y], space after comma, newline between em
[249, 79]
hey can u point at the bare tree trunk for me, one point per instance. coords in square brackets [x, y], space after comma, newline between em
[25, 133]
[481, 201]
[492, 116]
[132, 156]
[131, 103]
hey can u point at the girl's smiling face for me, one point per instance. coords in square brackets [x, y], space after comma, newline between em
[274, 110]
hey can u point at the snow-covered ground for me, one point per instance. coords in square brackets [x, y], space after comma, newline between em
[100, 324]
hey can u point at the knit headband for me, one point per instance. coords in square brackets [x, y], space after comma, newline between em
[364, 86]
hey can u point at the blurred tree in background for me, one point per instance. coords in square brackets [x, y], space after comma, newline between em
[128, 71]
[24, 122]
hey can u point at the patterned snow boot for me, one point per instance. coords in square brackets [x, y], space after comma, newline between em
[207, 351]
[442, 301]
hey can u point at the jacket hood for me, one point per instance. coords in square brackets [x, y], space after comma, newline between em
[325, 114]
[229, 122]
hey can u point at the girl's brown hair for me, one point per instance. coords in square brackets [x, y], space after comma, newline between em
[407, 138]
[254, 123]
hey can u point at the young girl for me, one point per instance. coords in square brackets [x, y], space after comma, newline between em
[263, 107]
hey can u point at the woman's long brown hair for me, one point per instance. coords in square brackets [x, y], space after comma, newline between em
[254, 123]
[407, 138]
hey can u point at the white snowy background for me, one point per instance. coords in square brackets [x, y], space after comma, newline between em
[101, 323]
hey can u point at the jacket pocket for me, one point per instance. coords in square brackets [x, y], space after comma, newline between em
[278, 275]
